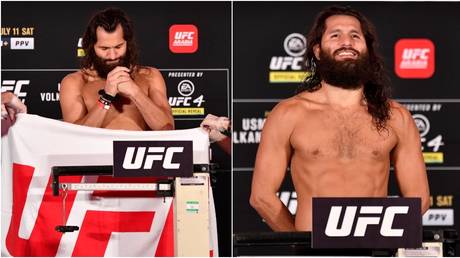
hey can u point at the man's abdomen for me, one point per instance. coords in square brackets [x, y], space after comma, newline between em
[353, 180]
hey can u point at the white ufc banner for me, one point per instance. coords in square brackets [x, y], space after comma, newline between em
[110, 223]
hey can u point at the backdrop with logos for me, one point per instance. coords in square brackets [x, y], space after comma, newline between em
[419, 44]
[189, 42]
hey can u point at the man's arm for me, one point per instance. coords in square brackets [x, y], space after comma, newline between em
[407, 157]
[272, 160]
[72, 105]
[12, 105]
[154, 107]
[215, 126]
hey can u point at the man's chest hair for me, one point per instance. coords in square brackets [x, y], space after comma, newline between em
[343, 137]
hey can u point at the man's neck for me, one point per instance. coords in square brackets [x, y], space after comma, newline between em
[91, 74]
[343, 98]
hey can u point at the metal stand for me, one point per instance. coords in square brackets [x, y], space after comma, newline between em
[191, 202]
[298, 243]
[191, 210]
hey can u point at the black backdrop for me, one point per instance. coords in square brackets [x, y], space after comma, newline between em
[56, 27]
[260, 31]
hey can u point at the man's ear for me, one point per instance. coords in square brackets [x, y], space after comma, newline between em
[316, 50]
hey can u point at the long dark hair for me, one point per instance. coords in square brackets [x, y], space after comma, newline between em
[377, 90]
[109, 19]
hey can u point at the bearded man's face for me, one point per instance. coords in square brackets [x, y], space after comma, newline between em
[110, 51]
[104, 66]
[346, 74]
[343, 60]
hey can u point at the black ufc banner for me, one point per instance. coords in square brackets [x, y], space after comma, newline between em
[152, 158]
[366, 223]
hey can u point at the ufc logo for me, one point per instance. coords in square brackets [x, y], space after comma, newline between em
[414, 58]
[15, 87]
[289, 199]
[385, 221]
[142, 159]
[285, 62]
[97, 223]
[416, 53]
[184, 35]
[152, 158]
[183, 38]
[178, 101]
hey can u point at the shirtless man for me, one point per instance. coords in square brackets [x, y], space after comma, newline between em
[111, 90]
[340, 133]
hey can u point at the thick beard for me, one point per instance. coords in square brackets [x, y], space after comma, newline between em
[103, 68]
[346, 74]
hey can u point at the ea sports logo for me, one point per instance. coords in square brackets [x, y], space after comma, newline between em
[295, 44]
[422, 123]
[185, 88]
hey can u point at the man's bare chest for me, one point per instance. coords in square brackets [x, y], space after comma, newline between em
[326, 136]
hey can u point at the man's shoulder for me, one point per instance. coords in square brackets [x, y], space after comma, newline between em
[77, 77]
[148, 71]
[298, 103]
[288, 109]
[400, 117]
[288, 105]
[398, 111]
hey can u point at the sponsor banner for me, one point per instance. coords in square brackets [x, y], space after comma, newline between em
[440, 142]
[204, 45]
[15, 86]
[442, 200]
[438, 217]
[366, 223]
[254, 46]
[38, 89]
[196, 93]
[444, 192]
[287, 69]
[183, 38]
[286, 77]
[152, 158]
[22, 43]
[18, 37]
[414, 58]
[248, 122]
